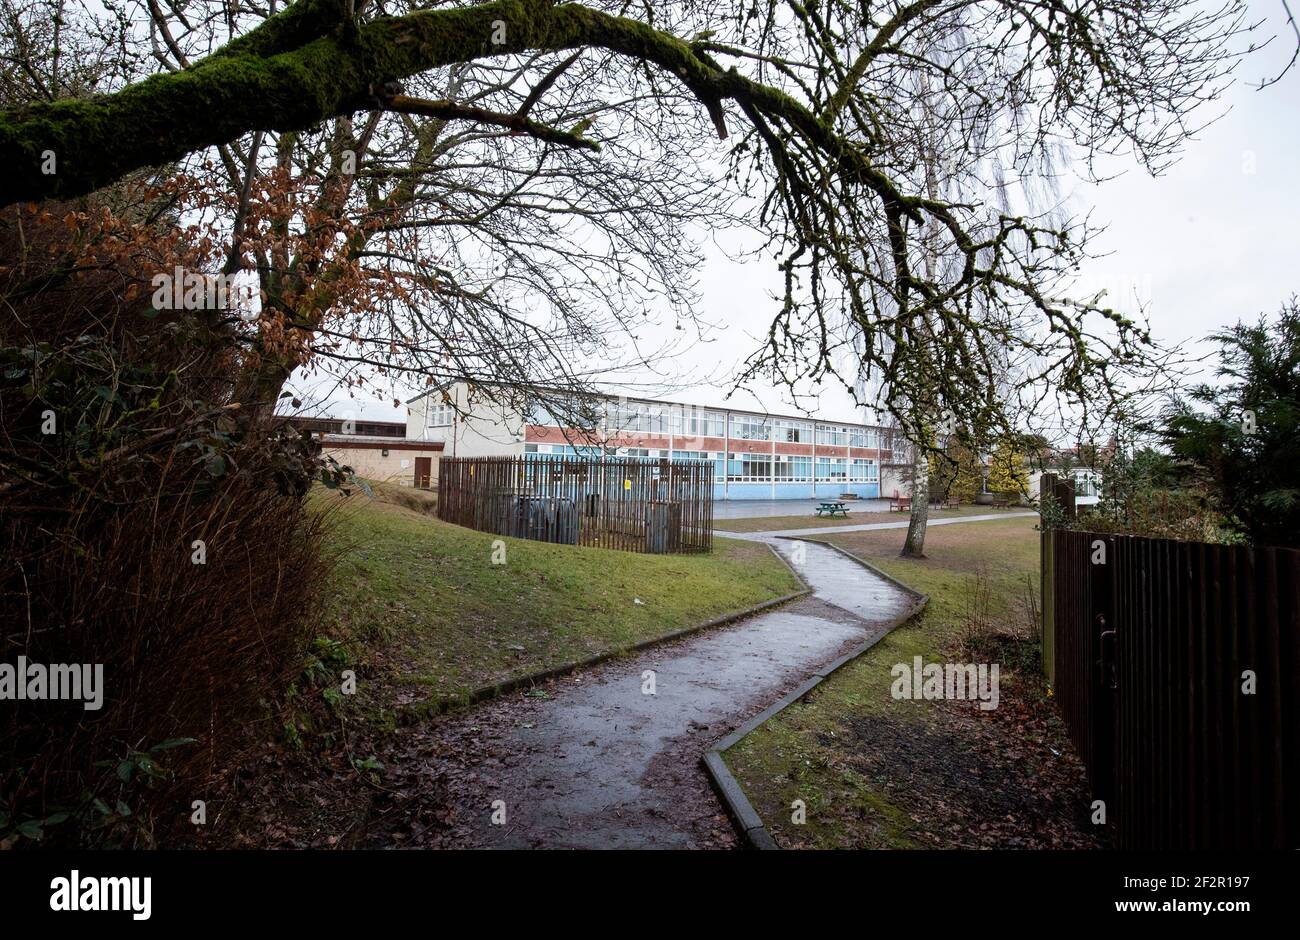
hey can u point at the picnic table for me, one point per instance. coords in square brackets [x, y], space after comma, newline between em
[832, 508]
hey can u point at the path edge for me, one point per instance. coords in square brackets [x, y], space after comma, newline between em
[433, 707]
[743, 815]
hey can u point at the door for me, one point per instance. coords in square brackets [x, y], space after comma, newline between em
[423, 471]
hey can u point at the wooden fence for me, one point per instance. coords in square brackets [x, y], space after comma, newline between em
[627, 504]
[1177, 668]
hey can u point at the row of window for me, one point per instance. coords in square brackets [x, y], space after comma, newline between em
[649, 418]
[742, 468]
[649, 453]
[685, 421]
[762, 468]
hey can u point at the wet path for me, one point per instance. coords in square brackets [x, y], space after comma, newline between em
[826, 530]
[602, 763]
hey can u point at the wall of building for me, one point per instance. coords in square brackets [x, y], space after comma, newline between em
[367, 460]
[1087, 484]
[487, 430]
[804, 489]
[895, 479]
[479, 428]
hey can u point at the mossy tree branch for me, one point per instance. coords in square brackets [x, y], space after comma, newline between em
[305, 66]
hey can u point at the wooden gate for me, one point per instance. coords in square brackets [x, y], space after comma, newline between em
[1177, 670]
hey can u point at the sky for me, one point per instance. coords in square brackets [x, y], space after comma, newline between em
[1210, 241]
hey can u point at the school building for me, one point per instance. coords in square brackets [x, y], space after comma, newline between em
[755, 455]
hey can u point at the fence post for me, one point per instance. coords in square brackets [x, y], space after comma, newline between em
[1063, 490]
[1101, 631]
[1047, 579]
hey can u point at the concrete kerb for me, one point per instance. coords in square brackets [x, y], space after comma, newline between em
[411, 714]
[742, 813]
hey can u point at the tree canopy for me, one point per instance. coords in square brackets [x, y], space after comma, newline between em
[827, 111]
[1237, 437]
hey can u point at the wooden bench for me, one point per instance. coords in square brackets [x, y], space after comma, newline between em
[832, 508]
[900, 504]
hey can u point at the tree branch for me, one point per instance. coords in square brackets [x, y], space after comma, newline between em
[451, 111]
[242, 88]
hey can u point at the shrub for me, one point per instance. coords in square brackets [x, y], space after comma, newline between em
[1239, 439]
[145, 525]
[1007, 473]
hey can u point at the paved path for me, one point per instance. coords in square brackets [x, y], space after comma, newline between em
[602, 764]
[864, 527]
[765, 508]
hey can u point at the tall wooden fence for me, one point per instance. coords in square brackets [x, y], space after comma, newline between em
[1177, 669]
[631, 505]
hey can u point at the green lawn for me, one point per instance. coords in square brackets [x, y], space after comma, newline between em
[875, 772]
[775, 523]
[419, 604]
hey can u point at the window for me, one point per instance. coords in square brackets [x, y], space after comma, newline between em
[1085, 484]
[638, 416]
[864, 471]
[834, 436]
[440, 415]
[793, 432]
[750, 428]
[750, 468]
[719, 460]
[696, 422]
[530, 448]
[563, 412]
[792, 468]
[864, 437]
[832, 470]
[540, 414]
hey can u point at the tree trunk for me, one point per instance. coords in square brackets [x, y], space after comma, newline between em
[914, 545]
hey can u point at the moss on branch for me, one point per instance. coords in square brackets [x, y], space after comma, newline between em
[300, 68]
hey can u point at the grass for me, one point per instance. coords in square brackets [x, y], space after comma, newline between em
[420, 604]
[875, 772]
[421, 501]
[775, 523]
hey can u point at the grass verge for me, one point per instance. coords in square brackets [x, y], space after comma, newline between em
[422, 605]
[809, 521]
[877, 772]
[419, 612]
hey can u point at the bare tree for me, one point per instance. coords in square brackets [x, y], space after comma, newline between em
[826, 133]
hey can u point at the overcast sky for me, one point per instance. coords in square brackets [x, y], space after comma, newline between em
[1211, 241]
